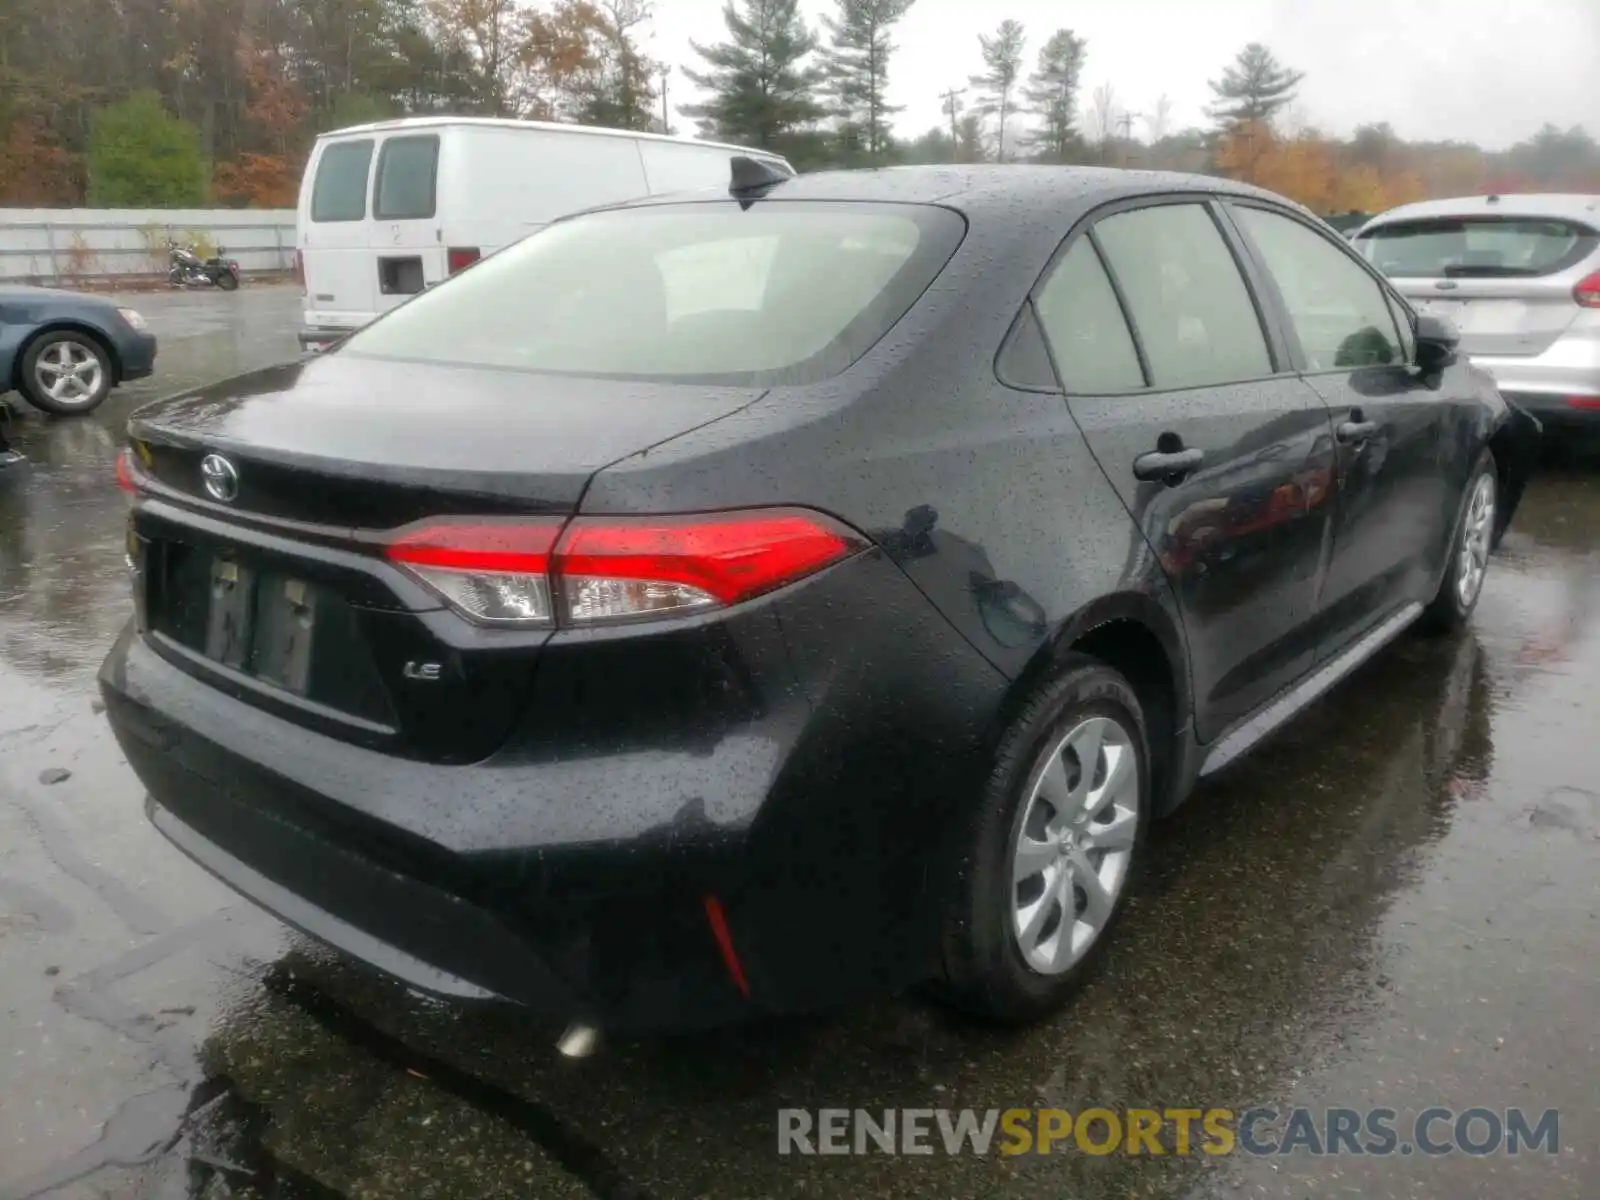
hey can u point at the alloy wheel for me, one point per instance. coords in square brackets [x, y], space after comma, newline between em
[1476, 535]
[70, 373]
[1074, 843]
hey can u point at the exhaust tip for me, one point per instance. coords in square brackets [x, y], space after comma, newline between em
[579, 1040]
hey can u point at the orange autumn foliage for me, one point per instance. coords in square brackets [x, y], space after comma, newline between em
[260, 180]
[274, 113]
[1313, 170]
[35, 169]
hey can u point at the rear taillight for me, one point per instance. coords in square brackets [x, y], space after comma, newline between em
[459, 258]
[492, 572]
[1587, 293]
[607, 569]
[300, 269]
[125, 479]
[1587, 403]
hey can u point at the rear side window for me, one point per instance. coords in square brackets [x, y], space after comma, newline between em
[1084, 325]
[1188, 302]
[712, 293]
[340, 190]
[1340, 313]
[1485, 247]
[408, 170]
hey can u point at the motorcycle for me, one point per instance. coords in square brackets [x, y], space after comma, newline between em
[185, 268]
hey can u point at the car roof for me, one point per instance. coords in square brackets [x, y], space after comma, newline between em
[407, 124]
[993, 190]
[1575, 205]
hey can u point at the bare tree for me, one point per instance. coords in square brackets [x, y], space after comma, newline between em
[1293, 120]
[1158, 122]
[1104, 113]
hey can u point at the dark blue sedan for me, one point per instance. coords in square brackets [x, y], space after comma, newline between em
[65, 351]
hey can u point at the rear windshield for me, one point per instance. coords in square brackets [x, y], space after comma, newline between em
[408, 168]
[340, 191]
[1463, 247]
[777, 293]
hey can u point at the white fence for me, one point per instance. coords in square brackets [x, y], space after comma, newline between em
[55, 245]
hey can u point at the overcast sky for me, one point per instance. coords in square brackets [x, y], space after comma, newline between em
[1490, 71]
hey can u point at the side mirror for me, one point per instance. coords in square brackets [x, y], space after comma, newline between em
[1437, 342]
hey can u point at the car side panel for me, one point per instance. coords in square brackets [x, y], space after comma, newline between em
[986, 495]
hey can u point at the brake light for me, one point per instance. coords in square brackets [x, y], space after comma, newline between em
[1587, 293]
[459, 258]
[606, 569]
[125, 479]
[492, 572]
[1587, 403]
[299, 269]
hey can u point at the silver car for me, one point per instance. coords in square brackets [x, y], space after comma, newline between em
[1520, 277]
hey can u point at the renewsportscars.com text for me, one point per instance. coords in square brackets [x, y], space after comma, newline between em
[1174, 1131]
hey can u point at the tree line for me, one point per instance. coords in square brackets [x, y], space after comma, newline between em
[164, 103]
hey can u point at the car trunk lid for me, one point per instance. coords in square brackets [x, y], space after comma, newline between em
[1498, 317]
[272, 585]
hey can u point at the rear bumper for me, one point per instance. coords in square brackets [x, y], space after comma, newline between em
[316, 339]
[572, 878]
[1559, 409]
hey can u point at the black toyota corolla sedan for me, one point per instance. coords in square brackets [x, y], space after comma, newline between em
[736, 603]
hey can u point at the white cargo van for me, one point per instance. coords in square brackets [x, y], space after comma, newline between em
[388, 209]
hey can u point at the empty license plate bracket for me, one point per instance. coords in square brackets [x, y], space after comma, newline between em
[261, 623]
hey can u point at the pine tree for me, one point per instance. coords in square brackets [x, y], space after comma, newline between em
[761, 87]
[1052, 96]
[997, 85]
[856, 67]
[1253, 88]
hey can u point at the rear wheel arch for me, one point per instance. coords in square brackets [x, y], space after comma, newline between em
[1134, 636]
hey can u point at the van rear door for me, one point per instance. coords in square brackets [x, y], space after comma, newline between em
[341, 288]
[407, 254]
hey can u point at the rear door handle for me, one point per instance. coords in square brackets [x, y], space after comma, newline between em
[1357, 428]
[1168, 466]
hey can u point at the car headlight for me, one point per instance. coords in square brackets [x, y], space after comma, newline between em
[131, 317]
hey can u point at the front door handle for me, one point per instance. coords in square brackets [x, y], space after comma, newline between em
[1168, 466]
[1357, 428]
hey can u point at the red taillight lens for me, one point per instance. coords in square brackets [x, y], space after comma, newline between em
[614, 568]
[1587, 293]
[617, 568]
[1587, 403]
[125, 479]
[493, 572]
[459, 258]
[299, 269]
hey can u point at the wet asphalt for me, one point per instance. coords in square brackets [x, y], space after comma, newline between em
[1395, 904]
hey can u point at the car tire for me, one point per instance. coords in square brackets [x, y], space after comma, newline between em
[1470, 548]
[1006, 958]
[66, 372]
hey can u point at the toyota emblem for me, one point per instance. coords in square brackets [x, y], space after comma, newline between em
[220, 477]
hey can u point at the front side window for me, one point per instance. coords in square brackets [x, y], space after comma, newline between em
[1187, 300]
[1339, 312]
[408, 169]
[779, 293]
[1084, 325]
[340, 190]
